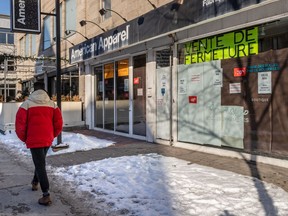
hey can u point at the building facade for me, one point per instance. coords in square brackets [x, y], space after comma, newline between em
[193, 74]
[9, 79]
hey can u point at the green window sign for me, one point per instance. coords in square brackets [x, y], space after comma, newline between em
[224, 46]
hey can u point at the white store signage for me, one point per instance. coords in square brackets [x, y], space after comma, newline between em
[235, 88]
[99, 45]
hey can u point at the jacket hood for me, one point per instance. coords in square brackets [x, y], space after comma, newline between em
[39, 97]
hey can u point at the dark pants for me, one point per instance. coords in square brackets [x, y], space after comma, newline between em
[40, 174]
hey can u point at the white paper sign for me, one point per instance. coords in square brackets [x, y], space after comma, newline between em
[126, 85]
[264, 83]
[218, 78]
[182, 86]
[235, 88]
[139, 92]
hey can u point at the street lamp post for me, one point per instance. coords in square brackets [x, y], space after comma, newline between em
[58, 62]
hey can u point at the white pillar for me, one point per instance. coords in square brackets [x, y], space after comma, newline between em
[150, 97]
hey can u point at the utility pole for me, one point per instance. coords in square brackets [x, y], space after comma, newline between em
[58, 62]
[58, 58]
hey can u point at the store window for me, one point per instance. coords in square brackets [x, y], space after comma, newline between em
[231, 89]
[71, 14]
[70, 86]
[10, 90]
[11, 65]
[3, 38]
[122, 75]
[273, 35]
[122, 95]
[99, 102]
[112, 96]
[139, 95]
[10, 38]
[47, 33]
[109, 92]
[106, 4]
[6, 37]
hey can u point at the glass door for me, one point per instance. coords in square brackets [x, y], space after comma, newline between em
[116, 108]
[99, 103]
[122, 95]
[139, 95]
[109, 93]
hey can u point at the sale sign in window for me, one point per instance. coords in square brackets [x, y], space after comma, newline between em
[224, 46]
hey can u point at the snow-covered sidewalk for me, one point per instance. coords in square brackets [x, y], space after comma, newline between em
[152, 184]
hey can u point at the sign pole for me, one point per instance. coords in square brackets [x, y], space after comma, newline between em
[58, 62]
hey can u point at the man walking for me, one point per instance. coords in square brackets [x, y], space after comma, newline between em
[38, 122]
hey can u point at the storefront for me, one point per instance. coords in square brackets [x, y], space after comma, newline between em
[112, 93]
[232, 89]
[176, 76]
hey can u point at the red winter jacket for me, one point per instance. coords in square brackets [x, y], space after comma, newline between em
[38, 120]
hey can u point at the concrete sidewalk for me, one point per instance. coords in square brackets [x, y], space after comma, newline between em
[125, 146]
[17, 198]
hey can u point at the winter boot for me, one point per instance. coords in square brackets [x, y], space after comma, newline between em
[45, 200]
[34, 186]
